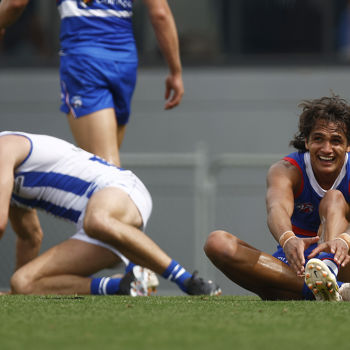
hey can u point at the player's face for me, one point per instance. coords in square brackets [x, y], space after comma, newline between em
[327, 145]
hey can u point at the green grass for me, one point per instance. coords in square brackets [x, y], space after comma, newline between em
[181, 323]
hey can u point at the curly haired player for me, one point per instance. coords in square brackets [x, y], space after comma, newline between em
[308, 202]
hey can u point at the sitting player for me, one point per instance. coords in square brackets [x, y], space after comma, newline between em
[307, 203]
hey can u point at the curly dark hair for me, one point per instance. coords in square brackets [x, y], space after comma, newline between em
[330, 109]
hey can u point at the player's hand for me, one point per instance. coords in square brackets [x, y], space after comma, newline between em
[294, 249]
[174, 90]
[337, 247]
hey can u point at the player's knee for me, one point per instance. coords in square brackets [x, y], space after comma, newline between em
[97, 225]
[218, 243]
[94, 224]
[21, 283]
[332, 200]
[333, 195]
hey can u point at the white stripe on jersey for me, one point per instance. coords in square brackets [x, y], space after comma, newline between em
[70, 9]
[57, 197]
[314, 184]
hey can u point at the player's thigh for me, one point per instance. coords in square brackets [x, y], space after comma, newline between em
[96, 132]
[71, 257]
[111, 202]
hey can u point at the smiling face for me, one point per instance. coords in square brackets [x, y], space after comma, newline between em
[327, 145]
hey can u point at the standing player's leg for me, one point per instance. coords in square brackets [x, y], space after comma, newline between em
[252, 269]
[99, 133]
[96, 98]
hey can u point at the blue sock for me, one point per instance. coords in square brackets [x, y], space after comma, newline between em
[176, 273]
[328, 259]
[129, 267]
[104, 286]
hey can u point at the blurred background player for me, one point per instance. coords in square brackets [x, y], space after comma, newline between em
[99, 67]
[110, 207]
[307, 199]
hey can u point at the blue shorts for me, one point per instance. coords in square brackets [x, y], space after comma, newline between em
[279, 254]
[89, 84]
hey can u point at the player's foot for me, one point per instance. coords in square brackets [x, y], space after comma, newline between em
[134, 282]
[321, 281]
[152, 282]
[150, 278]
[198, 286]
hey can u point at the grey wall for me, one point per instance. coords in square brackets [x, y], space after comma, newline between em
[228, 110]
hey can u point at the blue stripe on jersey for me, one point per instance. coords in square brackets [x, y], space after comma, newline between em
[55, 180]
[56, 210]
[104, 162]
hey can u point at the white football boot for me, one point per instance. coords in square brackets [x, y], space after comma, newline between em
[321, 281]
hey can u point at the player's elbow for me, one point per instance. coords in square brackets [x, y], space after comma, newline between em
[159, 15]
[36, 238]
[18, 5]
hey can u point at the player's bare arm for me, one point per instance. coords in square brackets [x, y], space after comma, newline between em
[283, 180]
[10, 11]
[13, 150]
[165, 30]
[26, 225]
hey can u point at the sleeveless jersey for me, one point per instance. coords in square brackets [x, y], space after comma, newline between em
[60, 178]
[100, 28]
[305, 218]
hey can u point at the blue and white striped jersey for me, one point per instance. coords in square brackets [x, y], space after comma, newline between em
[101, 28]
[60, 178]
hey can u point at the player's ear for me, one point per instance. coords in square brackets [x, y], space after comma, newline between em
[306, 144]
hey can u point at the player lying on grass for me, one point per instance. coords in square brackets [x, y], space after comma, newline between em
[307, 202]
[110, 207]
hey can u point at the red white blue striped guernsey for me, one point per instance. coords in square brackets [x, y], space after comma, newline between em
[305, 218]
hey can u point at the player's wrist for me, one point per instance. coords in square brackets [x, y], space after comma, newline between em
[286, 237]
[345, 237]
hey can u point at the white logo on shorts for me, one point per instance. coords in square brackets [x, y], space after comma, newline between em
[76, 101]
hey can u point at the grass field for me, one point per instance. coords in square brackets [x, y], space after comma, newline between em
[228, 322]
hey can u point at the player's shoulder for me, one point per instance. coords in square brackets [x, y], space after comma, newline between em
[289, 166]
[14, 148]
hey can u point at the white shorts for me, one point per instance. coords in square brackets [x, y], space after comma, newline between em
[82, 236]
[132, 185]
